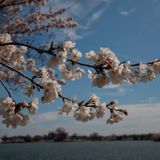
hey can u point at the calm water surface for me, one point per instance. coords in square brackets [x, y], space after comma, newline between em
[82, 151]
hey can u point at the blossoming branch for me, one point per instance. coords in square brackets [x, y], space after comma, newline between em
[105, 69]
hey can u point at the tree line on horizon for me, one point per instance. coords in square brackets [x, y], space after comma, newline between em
[61, 135]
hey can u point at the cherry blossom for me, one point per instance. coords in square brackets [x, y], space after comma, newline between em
[63, 60]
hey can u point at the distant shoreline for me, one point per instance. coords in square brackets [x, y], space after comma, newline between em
[64, 137]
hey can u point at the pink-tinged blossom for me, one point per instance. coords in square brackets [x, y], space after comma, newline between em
[100, 81]
[75, 55]
[100, 110]
[59, 58]
[78, 73]
[67, 45]
[29, 90]
[114, 118]
[91, 55]
[33, 108]
[82, 114]
[51, 91]
[156, 67]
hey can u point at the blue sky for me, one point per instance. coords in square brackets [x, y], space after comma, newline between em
[132, 30]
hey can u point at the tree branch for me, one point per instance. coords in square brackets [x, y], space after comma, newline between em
[26, 45]
[51, 52]
[28, 78]
[63, 97]
[137, 64]
[13, 4]
[6, 89]
[23, 75]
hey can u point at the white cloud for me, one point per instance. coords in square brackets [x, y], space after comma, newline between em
[122, 90]
[72, 34]
[42, 117]
[142, 118]
[84, 12]
[94, 17]
[79, 8]
[150, 100]
[111, 86]
[114, 91]
[127, 12]
[124, 13]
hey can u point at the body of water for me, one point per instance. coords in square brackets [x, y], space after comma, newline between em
[115, 150]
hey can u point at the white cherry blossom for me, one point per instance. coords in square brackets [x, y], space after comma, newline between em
[78, 73]
[156, 67]
[82, 114]
[51, 91]
[76, 55]
[33, 108]
[91, 55]
[68, 45]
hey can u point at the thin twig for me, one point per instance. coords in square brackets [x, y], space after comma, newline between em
[28, 78]
[12, 4]
[6, 89]
[23, 75]
[26, 45]
[63, 97]
[51, 52]
[137, 64]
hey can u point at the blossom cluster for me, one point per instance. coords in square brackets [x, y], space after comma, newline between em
[93, 108]
[109, 70]
[116, 114]
[42, 19]
[12, 55]
[65, 58]
[52, 88]
[69, 71]
[11, 112]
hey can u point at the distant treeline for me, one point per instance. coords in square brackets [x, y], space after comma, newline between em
[60, 135]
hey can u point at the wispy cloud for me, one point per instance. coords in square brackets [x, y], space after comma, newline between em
[124, 13]
[127, 12]
[115, 91]
[85, 12]
[49, 116]
[143, 118]
[150, 100]
[97, 9]
[94, 17]
[72, 34]
[122, 90]
[111, 86]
